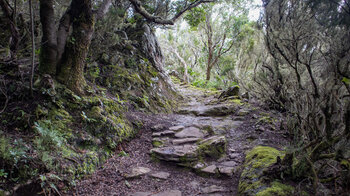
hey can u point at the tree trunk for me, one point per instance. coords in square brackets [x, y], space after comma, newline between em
[71, 68]
[15, 37]
[33, 46]
[48, 51]
[208, 72]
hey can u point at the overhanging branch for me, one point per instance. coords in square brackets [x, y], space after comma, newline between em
[159, 20]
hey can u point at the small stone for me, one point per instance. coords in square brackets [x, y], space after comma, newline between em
[176, 128]
[199, 165]
[163, 133]
[213, 189]
[169, 193]
[232, 150]
[234, 155]
[140, 194]
[127, 184]
[210, 169]
[185, 141]
[137, 172]
[226, 170]
[158, 127]
[160, 175]
[190, 132]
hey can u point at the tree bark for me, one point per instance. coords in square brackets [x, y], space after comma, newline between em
[71, 69]
[62, 35]
[208, 72]
[15, 37]
[33, 45]
[48, 51]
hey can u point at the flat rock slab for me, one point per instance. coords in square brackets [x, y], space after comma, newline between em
[169, 193]
[176, 128]
[213, 189]
[160, 175]
[210, 169]
[140, 194]
[164, 193]
[137, 172]
[214, 141]
[176, 153]
[185, 141]
[163, 133]
[190, 132]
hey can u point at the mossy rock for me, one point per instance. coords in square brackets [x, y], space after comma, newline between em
[277, 189]
[212, 147]
[256, 162]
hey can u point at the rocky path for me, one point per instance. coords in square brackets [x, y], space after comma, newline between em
[197, 151]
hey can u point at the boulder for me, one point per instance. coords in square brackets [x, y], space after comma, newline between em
[231, 91]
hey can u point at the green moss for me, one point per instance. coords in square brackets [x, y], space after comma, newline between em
[256, 162]
[157, 143]
[236, 101]
[249, 187]
[277, 189]
[213, 151]
[345, 163]
[175, 80]
[263, 156]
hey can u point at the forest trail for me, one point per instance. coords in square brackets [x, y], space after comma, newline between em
[199, 150]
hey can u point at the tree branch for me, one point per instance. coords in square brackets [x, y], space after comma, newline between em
[156, 19]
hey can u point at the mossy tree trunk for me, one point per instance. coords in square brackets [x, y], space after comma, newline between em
[70, 70]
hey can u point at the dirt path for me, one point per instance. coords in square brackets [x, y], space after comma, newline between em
[198, 151]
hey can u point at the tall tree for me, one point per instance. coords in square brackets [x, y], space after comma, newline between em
[63, 54]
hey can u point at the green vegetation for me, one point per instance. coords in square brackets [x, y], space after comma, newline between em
[277, 189]
[256, 162]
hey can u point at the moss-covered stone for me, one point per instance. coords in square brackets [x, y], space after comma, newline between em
[157, 143]
[213, 147]
[277, 189]
[256, 162]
